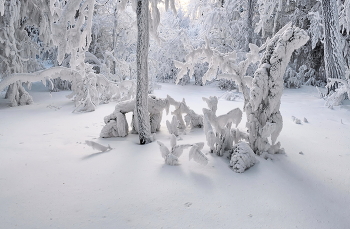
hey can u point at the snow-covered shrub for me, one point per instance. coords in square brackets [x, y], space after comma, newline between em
[173, 126]
[242, 157]
[296, 120]
[231, 96]
[17, 95]
[227, 85]
[191, 118]
[340, 94]
[217, 129]
[171, 156]
[197, 155]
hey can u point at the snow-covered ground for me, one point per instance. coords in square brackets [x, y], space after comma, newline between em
[49, 177]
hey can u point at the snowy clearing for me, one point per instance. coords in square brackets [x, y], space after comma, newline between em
[49, 177]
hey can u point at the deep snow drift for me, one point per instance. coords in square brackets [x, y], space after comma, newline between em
[50, 178]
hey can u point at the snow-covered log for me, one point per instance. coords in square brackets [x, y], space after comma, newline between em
[242, 157]
[264, 119]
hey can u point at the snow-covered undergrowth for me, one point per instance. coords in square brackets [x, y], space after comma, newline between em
[49, 177]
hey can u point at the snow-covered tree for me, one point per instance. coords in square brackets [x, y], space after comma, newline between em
[334, 62]
[264, 117]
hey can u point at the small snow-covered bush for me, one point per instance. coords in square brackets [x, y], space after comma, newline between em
[231, 96]
[171, 156]
[242, 157]
[341, 93]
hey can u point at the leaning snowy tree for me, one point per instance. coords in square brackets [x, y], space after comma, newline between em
[334, 61]
[262, 93]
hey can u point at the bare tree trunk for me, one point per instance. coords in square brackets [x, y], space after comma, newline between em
[142, 72]
[334, 61]
[250, 16]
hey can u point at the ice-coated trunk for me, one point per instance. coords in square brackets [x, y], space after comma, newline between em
[142, 72]
[250, 30]
[334, 61]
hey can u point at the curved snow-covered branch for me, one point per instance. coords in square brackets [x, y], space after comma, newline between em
[55, 72]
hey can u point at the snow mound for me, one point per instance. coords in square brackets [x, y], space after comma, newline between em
[242, 157]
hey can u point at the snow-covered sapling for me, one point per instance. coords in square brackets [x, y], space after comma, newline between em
[212, 103]
[171, 156]
[242, 157]
[296, 120]
[197, 155]
[217, 129]
[173, 126]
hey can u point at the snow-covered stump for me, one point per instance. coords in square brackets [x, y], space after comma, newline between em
[17, 95]
[242, 157]
[264, 119]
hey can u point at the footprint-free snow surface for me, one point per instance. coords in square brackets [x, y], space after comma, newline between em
[50, 178]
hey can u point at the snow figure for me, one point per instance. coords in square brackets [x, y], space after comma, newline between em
[172, 126]
[242, 157]
[116, 123]
[197, 155]
[264, 119]
[171, 156]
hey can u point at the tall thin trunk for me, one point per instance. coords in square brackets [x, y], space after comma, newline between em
[334, 61]
[115, 36]
[142, 72]
[250, 16]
